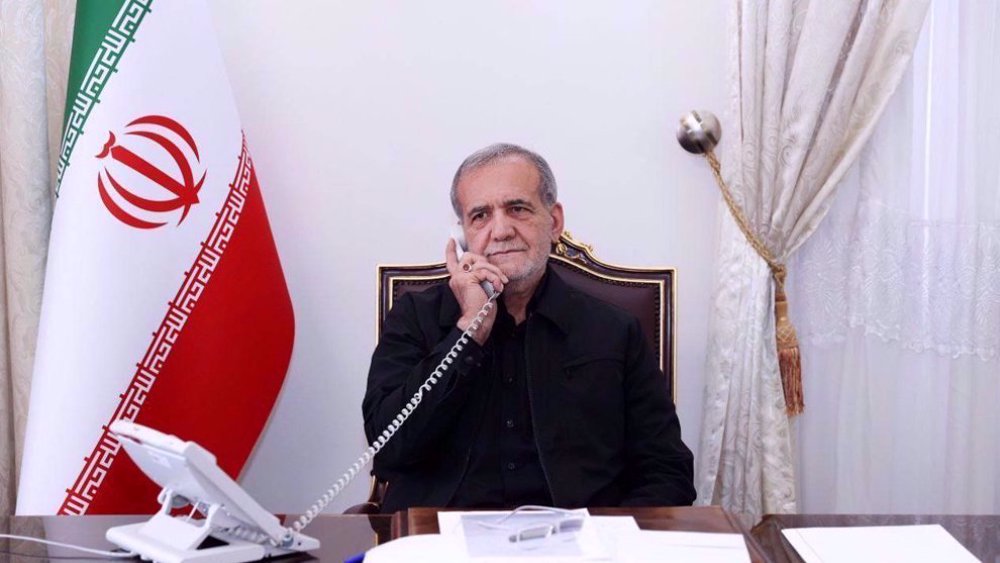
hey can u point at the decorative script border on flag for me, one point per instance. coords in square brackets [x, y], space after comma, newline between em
[97, 464]
[105, 63]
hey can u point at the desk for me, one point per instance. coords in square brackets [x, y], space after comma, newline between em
[979, 534]
[340, 535]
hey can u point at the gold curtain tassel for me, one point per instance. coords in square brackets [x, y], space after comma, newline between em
[789, 357]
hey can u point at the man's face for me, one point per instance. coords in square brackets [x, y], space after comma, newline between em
[505, 220]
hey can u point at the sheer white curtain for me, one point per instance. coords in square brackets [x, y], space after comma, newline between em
[810, 79]
[897, 294]
[34, 50]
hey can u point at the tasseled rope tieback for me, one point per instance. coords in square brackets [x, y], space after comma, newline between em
[789, 358]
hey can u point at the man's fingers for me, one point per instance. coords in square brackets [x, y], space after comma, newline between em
[488, 276]
[450, 256]
[478, 268]
[485, 265]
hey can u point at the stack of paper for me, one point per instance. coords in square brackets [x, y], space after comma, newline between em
[884, 544]
[473, 537]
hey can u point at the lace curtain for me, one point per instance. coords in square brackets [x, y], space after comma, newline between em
[809, 80]
[897, 294]
[34, 48]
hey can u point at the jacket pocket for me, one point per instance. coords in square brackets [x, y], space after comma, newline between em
[600, 369]
[595, 384]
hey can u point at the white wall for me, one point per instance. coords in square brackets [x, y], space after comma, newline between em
[357, 114]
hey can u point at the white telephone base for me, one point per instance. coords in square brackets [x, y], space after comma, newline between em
[234, 528]
[156, 540]
[177, 540]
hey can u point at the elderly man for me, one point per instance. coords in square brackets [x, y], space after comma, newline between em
[557, 400]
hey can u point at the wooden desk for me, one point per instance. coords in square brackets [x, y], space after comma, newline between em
[979, 534]
[685, 519]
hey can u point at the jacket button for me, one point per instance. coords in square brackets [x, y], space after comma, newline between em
[511, 466]
[510, 423]
[470, 361]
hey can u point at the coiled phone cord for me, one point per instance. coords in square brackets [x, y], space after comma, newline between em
[390, 430]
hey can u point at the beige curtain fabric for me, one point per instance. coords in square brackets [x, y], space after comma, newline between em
[35, 40]
[898, 294]
[809, 79]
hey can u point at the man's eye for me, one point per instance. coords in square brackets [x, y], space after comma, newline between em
[518, 210]
[478, 217]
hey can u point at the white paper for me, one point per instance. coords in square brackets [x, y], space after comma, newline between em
[650, 546]
[608, 538]
[421, 548]
[610, 528]
[489, 543]
[884, 544]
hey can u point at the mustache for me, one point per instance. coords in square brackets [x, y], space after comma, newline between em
[500, 249]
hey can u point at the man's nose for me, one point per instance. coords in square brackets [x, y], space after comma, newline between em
[503, 229]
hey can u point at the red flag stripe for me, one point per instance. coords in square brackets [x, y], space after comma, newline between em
[225, 408]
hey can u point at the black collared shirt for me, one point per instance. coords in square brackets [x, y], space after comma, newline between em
[504, 469]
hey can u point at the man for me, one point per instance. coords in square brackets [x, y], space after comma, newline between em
[556, 400]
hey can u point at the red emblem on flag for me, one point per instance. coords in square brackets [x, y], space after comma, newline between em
[151, 191]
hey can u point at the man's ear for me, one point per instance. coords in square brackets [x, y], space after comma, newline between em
[557, 221]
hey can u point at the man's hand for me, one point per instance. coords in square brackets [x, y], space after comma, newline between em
[466, 275]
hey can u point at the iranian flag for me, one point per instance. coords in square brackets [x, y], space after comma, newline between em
[164, 301]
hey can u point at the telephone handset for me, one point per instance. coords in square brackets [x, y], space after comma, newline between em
[460, 249]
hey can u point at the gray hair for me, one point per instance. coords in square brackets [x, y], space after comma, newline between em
[547, 190]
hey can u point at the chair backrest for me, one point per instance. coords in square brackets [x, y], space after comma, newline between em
[647, 293]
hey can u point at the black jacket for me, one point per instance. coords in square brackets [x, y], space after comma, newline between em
[606, 429]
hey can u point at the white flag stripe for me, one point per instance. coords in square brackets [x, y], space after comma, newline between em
[107, 284]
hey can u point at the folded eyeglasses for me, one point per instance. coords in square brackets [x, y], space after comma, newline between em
[566, 522]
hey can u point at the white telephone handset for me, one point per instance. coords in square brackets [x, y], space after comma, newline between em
[460, 248]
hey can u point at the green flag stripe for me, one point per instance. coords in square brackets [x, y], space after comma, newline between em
[92, 22]
[102, 32]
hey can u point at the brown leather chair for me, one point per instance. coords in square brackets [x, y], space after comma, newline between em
[647, 293]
